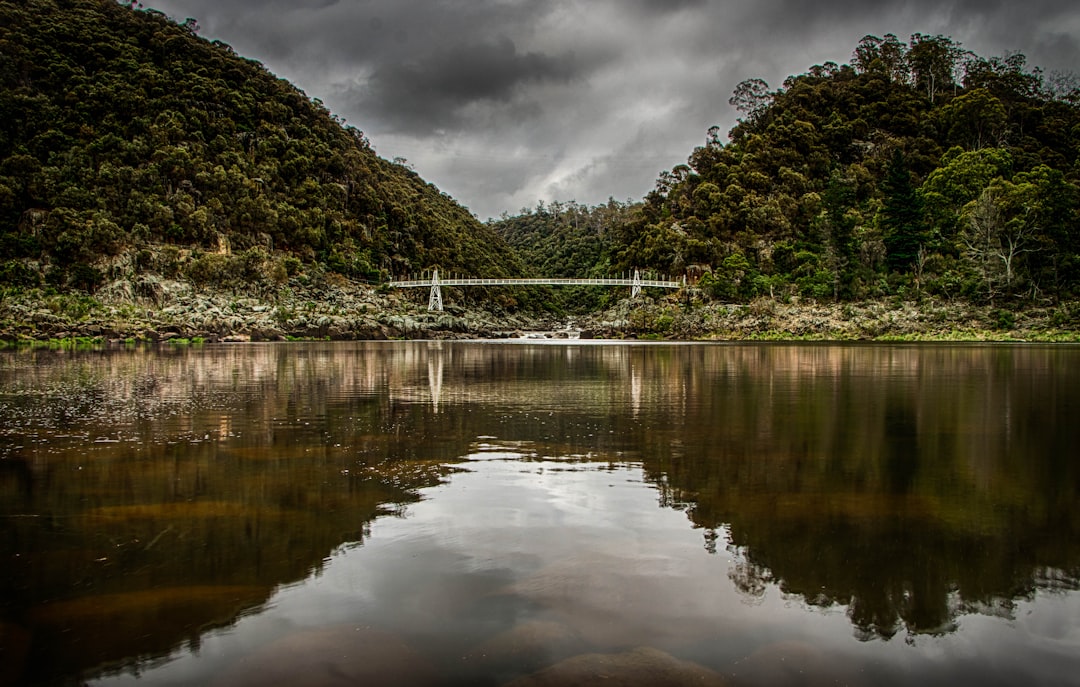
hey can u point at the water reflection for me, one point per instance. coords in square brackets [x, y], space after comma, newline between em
[166, 493]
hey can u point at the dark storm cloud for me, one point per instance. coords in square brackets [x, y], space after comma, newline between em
[435, 90]
[505, 102]
[362, 31]
[665, 6]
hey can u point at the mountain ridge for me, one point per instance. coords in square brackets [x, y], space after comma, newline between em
[122, 130]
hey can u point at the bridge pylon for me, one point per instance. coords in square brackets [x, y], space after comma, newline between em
[435, 299]
[635, 288]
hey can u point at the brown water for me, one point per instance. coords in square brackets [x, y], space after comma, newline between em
[486, 513]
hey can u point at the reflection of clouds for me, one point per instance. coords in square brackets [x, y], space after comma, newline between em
[584, 554]
[584, 547]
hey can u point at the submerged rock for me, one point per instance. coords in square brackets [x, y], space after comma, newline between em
[325, 657]
[526, 647]
[643, 666]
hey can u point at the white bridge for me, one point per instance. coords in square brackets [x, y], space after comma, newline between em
[435, 302]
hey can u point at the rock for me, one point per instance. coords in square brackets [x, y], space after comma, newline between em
[525, 648]
[267, 334]
[643, 666]
[324, 657]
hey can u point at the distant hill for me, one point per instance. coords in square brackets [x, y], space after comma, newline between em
[122, 132]
[918, 168]
[568, 240]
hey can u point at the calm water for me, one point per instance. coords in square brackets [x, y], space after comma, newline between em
[540, 514]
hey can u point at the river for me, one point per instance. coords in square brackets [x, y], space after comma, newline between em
[540, 513]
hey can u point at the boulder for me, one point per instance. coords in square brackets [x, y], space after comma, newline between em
[324, 657]
[644, 666]
[526, 647]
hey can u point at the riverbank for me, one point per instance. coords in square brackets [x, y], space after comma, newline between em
[766, 319]
[158, 310]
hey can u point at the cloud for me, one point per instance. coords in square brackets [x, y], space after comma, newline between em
[654, 7]
[435, 90]
[505, 102]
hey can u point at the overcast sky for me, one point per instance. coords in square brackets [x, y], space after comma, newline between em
[502, 103]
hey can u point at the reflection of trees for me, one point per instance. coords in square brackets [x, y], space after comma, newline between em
[913, 484]
[157, 493]
[910, 483]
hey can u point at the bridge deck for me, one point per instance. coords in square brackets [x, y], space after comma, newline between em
[557, 281]
[435, 301]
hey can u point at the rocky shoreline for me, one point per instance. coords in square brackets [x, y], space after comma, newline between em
[161, 310]
[158, 310]
[885, 320]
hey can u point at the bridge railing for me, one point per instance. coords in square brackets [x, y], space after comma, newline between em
[435, 283]
[529, 281]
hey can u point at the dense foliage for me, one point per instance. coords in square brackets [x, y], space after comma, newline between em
[568, 240]
[122, 130]
[918, 168]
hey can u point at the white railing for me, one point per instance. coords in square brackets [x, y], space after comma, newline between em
[636, 283]
[539, 281]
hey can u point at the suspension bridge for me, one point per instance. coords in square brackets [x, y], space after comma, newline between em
[435, 300]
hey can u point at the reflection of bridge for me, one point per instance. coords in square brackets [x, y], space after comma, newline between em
[593, 371]
[434, 283]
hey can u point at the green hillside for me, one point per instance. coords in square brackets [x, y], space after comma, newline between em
[568, 240]
[919, 168]
[122, 132]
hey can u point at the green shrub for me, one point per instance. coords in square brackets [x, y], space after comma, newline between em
[85, 278]
[1003, 319]
[211, 269]
[17, 273]
[292, 265]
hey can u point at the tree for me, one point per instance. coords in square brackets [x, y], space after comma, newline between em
[885, 56]
[866, 53]
[933, 61]
[1004, 77]
[1063, 87]
[959, 180]
[975, 119]
[751, 97]
[901, 216]
[894, 58]
[999, 228]
[1050, 204]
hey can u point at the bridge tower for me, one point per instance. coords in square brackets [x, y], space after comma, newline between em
[635, 288]
[435, 299]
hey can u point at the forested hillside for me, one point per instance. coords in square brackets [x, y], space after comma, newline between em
[919, 168]
[122, 131]
[568, 240]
